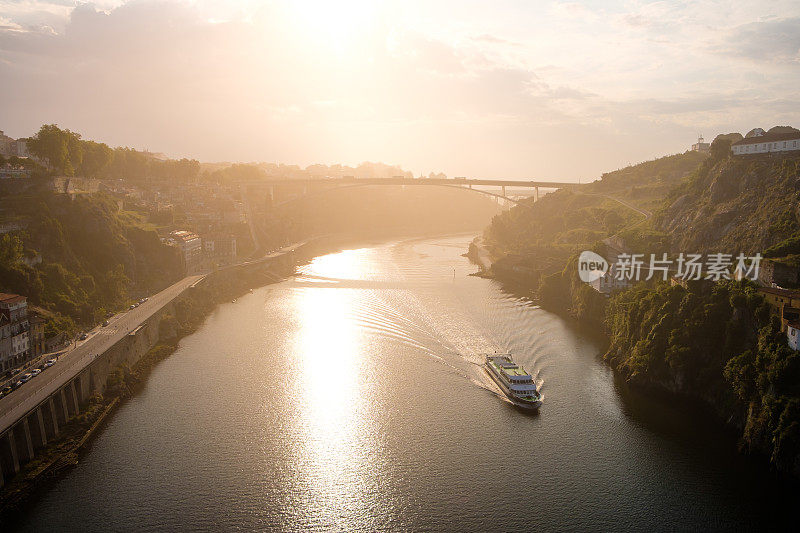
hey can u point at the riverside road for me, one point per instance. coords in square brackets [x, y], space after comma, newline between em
[15, 405]
[69, 365]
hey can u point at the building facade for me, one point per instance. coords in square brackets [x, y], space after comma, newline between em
[191, 248]
[767, 143]
[793, 335]
[14, 331]
[701, 145]
[220, 247]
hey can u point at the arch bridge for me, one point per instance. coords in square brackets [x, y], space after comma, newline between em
[319, 185]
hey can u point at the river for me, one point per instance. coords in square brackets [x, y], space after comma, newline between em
[351, 397]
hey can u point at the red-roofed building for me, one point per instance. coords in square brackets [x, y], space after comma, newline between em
[768, 143]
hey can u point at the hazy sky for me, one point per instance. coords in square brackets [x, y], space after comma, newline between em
[538, 89]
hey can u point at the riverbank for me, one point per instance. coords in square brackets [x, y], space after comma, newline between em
[76, 436]
[675, 344]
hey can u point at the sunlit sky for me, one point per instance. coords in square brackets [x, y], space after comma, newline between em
[538, 89]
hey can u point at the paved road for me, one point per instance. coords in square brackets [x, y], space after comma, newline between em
[30, 394]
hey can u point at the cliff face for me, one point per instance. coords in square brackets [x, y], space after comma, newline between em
[717, 343]
[92, 255]
[737, 205]
[721, 343]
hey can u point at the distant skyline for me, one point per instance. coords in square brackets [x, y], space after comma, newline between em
[547, 90]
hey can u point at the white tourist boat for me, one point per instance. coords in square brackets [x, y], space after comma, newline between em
[514, 381]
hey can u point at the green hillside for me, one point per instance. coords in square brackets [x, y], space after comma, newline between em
[93, 256]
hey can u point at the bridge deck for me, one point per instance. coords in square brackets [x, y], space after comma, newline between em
[423, 181]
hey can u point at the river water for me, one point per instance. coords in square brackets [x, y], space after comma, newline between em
[351, 397]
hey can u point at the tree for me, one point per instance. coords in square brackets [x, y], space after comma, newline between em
[10, 249]
[720, 149]
[97, 158]
[50, 144]
[61, 149]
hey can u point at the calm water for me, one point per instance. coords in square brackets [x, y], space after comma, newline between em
[351, 398]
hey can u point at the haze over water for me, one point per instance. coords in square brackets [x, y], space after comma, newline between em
[351, 397]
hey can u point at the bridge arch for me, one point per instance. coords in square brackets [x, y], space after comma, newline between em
[360, 185]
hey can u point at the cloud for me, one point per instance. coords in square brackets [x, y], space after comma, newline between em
[274, 82]
[771, 41]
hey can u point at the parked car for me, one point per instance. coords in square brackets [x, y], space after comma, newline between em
[35, 372]
[16, 385]
[26, 377]
[105, 323]
[83, 336]
[49, 363]
[132, 306]
[5, 390]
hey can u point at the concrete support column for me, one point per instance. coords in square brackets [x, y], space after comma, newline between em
[504, 190]
[12, 444]
[52, 405]
[536, 194]
[64, 405]
[42, 431]
[28, 440]
[75, 401]
[81, 379]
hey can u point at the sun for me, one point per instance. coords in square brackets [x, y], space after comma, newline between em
[335, 24]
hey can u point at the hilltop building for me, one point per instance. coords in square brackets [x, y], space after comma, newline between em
[764, 143]
[701, 145]
[14, 330]
[10, 147]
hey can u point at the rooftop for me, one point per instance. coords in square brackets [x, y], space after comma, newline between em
[769, 137]
[11, 298]
[789, 293]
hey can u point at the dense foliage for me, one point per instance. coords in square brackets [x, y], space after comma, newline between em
[718, 343]
[67, 154]
[734, 204]
[92, 256]
[548, 234]
[715, 342]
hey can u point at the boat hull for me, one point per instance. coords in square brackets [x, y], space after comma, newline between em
[532, 406]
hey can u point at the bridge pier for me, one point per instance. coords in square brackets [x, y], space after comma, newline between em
[28, 441]
[64, 407]
[12, 445]
[536, 194]
[75, 402]
[52, 405]
[42, 430]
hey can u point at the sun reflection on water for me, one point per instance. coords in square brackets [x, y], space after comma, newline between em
[330, 359]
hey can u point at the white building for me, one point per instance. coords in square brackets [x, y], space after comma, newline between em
[792, 335]
[191, 248]
[768, 143]
[700, 145]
